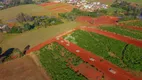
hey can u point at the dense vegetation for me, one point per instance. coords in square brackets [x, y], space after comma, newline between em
[123, 31]
[76, 12]
[52, 59]
[133, 10]
[123, 55]
[30, 22]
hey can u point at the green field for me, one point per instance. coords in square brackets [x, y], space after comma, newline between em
[135, 23]
[117, 52]
[123, 31]
[35, 36]
[55, 63]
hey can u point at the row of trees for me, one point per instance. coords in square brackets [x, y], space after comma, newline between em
[132, 10]
[28, 22]
[76, 12]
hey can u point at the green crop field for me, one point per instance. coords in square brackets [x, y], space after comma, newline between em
[135, 23]
[119, 53]
[123, 31]
[52, 59]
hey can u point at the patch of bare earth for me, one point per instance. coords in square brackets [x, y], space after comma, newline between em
[25, 68]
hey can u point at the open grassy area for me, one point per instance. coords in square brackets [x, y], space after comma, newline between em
[123, 31]
[53, 58]
[117, 52]
[36, 36]
[31, 9]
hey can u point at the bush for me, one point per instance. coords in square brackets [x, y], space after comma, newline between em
[16, 30]
[27, 27]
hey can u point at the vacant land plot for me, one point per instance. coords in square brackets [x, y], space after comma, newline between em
[37, 36]
[24, 68]
[35, 10]
[31, 9]
[59, 8]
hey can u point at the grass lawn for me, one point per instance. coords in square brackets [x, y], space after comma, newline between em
[36, 36]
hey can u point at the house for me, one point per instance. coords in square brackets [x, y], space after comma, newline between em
[4, 28]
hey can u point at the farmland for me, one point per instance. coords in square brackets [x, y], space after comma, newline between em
[53, 57]
[34, 10]
[134, 23]
[108, 49]
[95, 45]
[123, 31]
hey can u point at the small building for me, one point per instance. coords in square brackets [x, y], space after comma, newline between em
[4, 28]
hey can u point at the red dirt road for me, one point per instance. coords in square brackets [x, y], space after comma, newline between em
[110, 71]
[89, 72]
[115, 36]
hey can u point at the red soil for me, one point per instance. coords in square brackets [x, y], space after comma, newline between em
[61, 10]
[115, 36]
[11, 24]
[47, 4]
[110, 71]
[39, 46]
[58, 7]
[89, 72]
[103, 20]
[84, 19]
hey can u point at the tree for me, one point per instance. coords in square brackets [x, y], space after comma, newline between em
[23, 18]
[27, 27]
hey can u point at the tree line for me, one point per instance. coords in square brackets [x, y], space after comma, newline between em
[28, 22]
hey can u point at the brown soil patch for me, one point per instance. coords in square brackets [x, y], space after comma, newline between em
[103, 20]
[25, 68]
[47, 4]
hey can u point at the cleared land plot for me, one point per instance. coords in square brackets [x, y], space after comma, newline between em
[36, 36]
[59, 8]
[54, 59]
[22, 69]
[123, 55]
[33, 9]
[123, 31]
